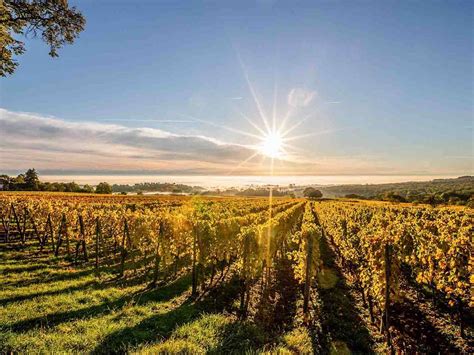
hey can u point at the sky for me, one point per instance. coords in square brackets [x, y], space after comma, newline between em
[193, 87]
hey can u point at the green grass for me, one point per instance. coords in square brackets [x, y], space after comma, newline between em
[46, 306]
[49, 306]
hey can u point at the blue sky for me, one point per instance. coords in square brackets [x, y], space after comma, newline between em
[389, 88]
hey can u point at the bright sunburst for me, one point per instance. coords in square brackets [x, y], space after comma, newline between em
[274, 135]
[272, 145]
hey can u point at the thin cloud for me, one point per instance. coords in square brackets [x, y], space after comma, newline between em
[36, 138]
[299, 97]
[51, 144]
[142, 120]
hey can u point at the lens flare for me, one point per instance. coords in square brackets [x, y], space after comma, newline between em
[272, 145]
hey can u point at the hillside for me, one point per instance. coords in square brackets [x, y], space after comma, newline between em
[459, 191]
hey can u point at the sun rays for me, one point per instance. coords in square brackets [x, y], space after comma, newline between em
[271, 135]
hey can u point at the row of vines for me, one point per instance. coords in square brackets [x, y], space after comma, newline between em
[377, 243]
[262, 243]
[161, 237]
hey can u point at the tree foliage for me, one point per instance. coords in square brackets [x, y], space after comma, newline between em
[54, 20]
[103, 188]
[31, 180]
[311, 192]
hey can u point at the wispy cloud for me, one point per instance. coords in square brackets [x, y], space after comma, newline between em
[34, 140]
[51, 144]
[142, 120]
[299, 97]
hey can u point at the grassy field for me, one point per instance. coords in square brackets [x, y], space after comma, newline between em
[47, 306]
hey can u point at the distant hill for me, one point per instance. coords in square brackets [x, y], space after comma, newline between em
[459, 191]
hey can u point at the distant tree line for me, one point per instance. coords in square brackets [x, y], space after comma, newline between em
[249, 192]
[459, 191]
[156, 187]
[29, 181]
[261, 192]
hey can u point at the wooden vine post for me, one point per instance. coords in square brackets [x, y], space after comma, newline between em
[17, 221]
[309, 261]
[98, 235]
[245, 273]
[23, 229]
[195, 281]
[124, 249]
[6, 224]
[49, 225]
[82, 241]
[35, 229]
[62, 230]
[112, 234]
[156, 266]
[68, 249]
[386, 319]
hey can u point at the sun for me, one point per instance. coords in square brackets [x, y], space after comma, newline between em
[272, 145]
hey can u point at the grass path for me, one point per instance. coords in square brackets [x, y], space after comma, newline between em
[342, 326]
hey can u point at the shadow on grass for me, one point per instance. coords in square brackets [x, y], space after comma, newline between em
[28, 251]
[435, 298]
[96, 284]
[277, 302]
[340, 318]
[416, 333]
[240, 338]
[46, 277]
[27, 268]
[30, 296]
[161, 294]
[160, 326]
[70, 272]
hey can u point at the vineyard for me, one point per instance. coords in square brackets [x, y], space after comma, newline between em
[88, 273]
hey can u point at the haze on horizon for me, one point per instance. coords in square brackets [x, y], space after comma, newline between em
[248, 88]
